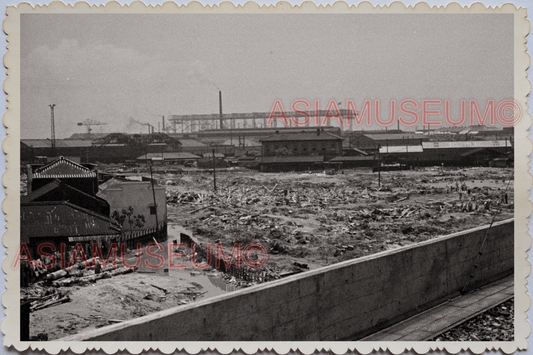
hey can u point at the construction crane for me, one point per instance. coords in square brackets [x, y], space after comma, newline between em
[89, 123]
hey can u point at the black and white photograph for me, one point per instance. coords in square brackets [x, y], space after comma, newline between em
[298, 176]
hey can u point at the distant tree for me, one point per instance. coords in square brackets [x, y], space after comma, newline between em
[127, 215]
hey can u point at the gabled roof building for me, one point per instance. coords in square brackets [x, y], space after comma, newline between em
[82, 177]
[58, 191]
[63, 222]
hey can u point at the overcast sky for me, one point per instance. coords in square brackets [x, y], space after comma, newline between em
[111, 68]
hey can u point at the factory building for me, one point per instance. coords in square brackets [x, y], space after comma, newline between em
[449, 153]
[464, 153]
[303, 150]
[371, 142]
[303, 143]
[168, 158]
[413, 148]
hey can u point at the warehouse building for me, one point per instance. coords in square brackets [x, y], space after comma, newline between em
[318, 142]
[302, 150]
[449, 153]
[464, 153]
[167, 158]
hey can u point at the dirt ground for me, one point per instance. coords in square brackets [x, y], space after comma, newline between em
[122, 297]
[312, 220]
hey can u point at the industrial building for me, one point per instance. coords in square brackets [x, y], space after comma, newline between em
[168, 158]
[303, 143]
[370, 142]
[448, 153]
[303, 150]
[248, 145]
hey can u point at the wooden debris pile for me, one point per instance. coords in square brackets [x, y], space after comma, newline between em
[43, 297]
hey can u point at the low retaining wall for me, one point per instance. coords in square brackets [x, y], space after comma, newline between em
[345, 301]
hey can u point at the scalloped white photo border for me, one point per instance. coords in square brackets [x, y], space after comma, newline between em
[10, 178]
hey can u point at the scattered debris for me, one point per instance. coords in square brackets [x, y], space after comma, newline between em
[496, 324]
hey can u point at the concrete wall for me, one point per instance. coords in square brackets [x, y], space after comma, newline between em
[345, 301]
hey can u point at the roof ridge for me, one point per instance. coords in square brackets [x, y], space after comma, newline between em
[73, 169]
[40, 191]
[58, 161]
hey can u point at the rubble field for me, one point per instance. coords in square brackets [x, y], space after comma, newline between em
[304, 220]
[308, 220]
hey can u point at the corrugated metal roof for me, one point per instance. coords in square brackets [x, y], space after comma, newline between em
[465, 144]
[395, 136]
[467, 129]
[168, 156]
[353, 149]
[293, 159]
[62, 219]
[352, 158]
[60, 143]
[395, 149]
[73, 143]
[62, 168]
[302, 136]
[37, 143]
[247, 142]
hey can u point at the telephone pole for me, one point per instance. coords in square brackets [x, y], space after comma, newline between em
[214, 172]
[53, 134]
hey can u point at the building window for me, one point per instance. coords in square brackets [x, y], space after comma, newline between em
[153, 209]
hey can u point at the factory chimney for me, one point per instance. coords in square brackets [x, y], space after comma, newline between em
[220, 109]
[163, 124]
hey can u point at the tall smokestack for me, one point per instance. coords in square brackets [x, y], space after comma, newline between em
[163, 123]
[220, 108]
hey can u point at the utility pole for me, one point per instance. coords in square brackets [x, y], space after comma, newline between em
[214, 172]
[53, 134]
[407, 151]
[379, 166]
[155, 202]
